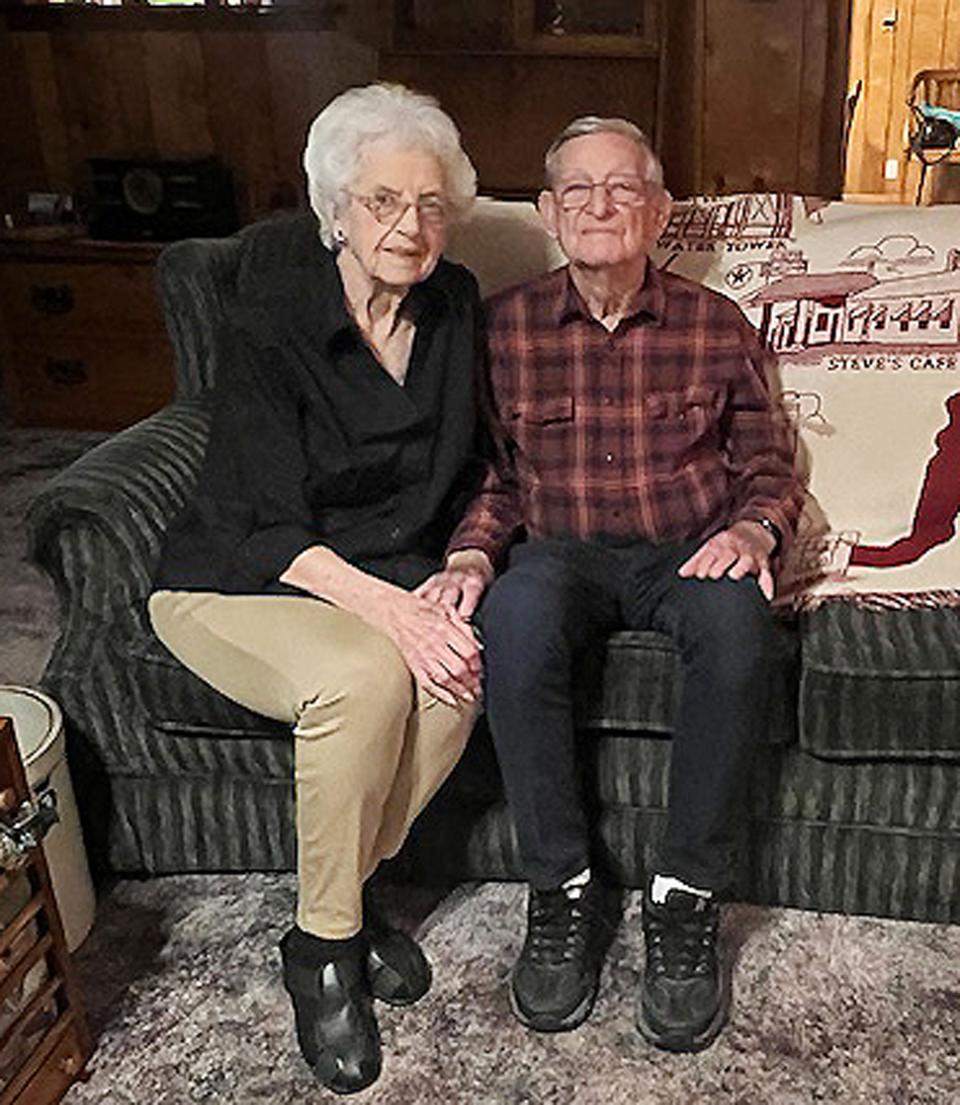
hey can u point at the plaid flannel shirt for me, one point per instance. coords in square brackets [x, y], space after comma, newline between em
[663, 430]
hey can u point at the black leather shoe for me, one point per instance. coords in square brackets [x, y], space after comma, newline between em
[336, 1028]
[397, 969]
[556, 978]
[684, 1000]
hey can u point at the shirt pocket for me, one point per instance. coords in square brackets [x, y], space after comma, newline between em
[543, 427]
[544, 410]
[686, 408]
[682, 421]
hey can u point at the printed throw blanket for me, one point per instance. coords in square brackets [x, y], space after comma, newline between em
[861, 305]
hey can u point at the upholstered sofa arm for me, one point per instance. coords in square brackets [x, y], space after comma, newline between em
[195, 278]
[97, 527]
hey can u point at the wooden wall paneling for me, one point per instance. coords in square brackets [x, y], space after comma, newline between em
[90, 97]
[23, 160]
[950, 54]
[909, 33]
[874, 108]
[44, 97]
[509, 107]
[681, 139]
[290, 60]
[860, 23]
[812, 92]
[238, 109]
[305, 72]
[178, 94]
[833, 112]
[752, 94]
[126, 70]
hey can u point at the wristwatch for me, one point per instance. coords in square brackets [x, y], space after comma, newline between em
[774, 530]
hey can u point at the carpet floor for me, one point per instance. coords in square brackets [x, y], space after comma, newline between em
[181, 974]
[182, 981]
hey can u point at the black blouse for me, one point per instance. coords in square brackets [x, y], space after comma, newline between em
[313, 442]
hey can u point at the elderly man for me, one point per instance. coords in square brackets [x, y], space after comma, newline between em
[655, 484]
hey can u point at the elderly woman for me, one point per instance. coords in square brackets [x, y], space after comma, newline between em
[345, 445]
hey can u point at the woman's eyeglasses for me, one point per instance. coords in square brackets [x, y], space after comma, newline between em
[631, 192]
[388, 208]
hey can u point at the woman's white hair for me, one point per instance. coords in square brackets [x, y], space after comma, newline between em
[594, 124]
[383, 115]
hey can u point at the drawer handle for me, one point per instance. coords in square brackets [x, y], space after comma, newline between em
[67, 372]
[52, 299]
[69, 1064]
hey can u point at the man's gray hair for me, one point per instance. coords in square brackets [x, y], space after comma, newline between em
[594, 124]
[386, 116]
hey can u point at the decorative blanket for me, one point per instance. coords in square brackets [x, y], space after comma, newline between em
[861, 305]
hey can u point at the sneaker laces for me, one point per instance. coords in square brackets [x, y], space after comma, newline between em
[681, 942]
[558, 924]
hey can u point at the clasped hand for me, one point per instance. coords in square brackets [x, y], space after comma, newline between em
[439, 647]
[431, 627]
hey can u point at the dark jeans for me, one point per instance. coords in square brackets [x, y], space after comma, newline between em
[560, 597]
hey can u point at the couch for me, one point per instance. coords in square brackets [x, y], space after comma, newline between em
[854, 798]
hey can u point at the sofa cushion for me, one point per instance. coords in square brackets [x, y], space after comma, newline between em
[632, 687]
[880, 684]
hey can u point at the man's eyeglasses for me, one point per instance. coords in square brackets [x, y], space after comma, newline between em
[388, 208]
[630, 192]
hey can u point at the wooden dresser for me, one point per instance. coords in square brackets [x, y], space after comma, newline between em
[84, 345]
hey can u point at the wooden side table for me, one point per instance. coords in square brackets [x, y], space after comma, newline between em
[44, 1039]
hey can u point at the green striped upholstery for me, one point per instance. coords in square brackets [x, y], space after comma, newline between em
[881, 683]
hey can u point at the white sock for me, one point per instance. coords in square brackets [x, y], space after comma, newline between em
[663, 884]
[577, 882]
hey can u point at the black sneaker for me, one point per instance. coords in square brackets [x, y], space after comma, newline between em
[555, 980]
[683, 1000]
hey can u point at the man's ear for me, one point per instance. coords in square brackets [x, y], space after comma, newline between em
[663, 210]
[547, 206]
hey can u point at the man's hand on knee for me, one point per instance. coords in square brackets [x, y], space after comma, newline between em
[743, 549]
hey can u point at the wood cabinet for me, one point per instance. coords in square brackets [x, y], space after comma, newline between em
[84, 344]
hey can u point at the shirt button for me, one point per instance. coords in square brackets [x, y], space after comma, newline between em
[395, 533]
[609, 458]
[607, 400]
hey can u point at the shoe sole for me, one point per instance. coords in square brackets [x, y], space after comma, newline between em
[677, 1043]
[572, 1020]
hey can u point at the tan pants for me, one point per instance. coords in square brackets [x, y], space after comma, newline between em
[371, 748]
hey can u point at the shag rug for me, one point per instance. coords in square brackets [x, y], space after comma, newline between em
[181, 975]
[182, 980]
